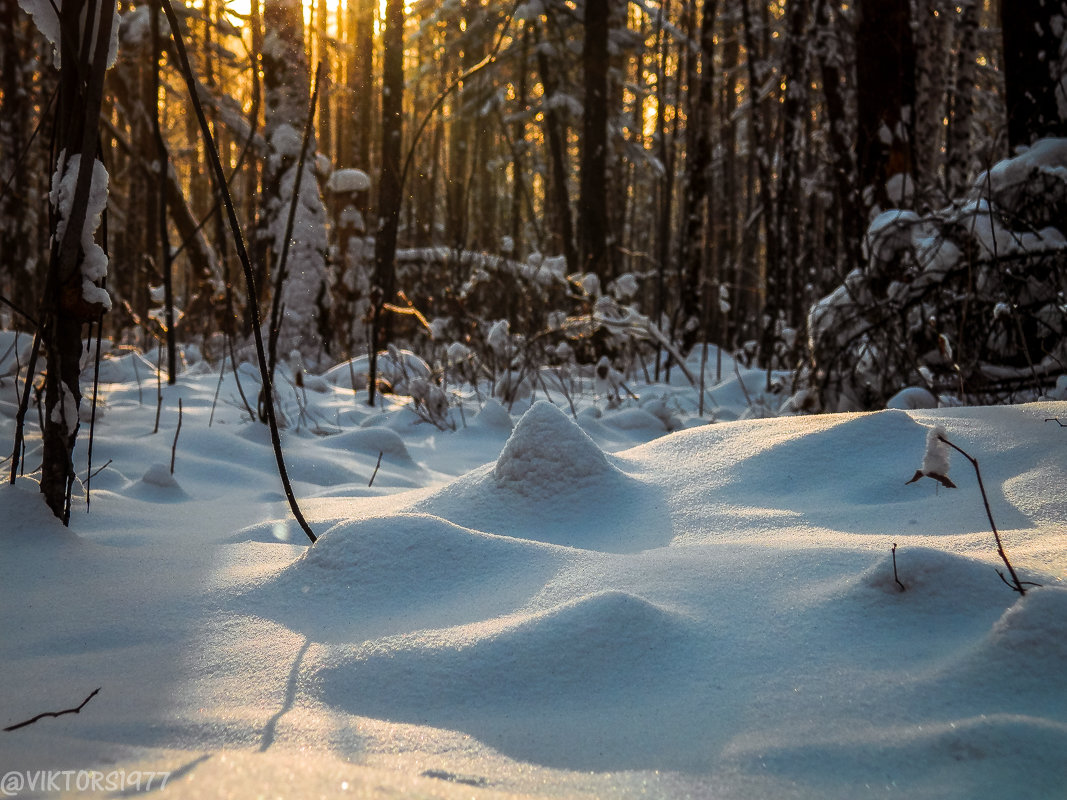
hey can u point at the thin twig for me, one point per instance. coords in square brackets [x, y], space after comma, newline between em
[242, 254]
[741, 383]
[20, 415]
[174, 445]
[159, 385]
[18, 310]
[236, 375]
[903, 588]
[218, 387]
[1015, 583]
[100, 469]
[375, 473]
[92, 416]
[54, 713]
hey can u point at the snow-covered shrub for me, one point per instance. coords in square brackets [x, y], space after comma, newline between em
[969, 302]
[500, 321]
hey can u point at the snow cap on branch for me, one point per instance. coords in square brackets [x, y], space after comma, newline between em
[936, 458]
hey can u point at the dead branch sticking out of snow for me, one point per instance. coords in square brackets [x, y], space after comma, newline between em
[896, 577]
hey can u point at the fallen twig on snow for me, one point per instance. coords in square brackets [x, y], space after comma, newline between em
[77, 710]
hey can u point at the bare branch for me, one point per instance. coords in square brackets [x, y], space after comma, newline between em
[77, 710]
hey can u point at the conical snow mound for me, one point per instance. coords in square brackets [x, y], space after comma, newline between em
[553, 484]
[547, 452]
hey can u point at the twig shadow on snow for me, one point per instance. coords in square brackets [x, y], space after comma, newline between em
[173, 775]
[271, 728]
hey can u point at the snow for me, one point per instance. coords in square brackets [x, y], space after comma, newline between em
[936, 457]
[64, 186]
[542, 602]
[348, 180]
[45, 14]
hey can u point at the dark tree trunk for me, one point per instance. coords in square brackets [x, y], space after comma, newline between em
[1033, 68]
[885, 93]
[69, 303]
[691, 246]
[163, 169]
[324, 117]
[933, 68]
[593, 202]
[389, 189]
[518, 134]
[17, 218]
[791, 210]
[851, 210]
[665, 152]
[555, 136]
[761, 144]
[962, 103]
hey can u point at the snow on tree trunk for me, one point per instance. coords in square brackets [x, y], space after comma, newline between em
[305, 290]
[73, 296]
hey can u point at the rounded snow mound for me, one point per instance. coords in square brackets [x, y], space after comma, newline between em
[375, 576]
[934, 575]
[372, 440]
[863, 456]
[547, 453]
[590, 650]
[124, 367]
[157, 485]
[1034, 631]
[986, 756]
[494, 416]
[559, 687]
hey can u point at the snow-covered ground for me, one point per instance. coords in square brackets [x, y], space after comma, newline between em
[527, 606]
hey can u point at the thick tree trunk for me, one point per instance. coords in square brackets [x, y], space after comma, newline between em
[933, 51]
[555, 134]
[761, 144]
[389, 188]
[71, 297]
[962, 102]
[691, 246]
[305, 287]
[840, 131]
[791, 209]
[18, 219]
[1034, 69]
[593, 202]
[885, 91]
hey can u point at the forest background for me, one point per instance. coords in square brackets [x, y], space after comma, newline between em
[501, 186]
